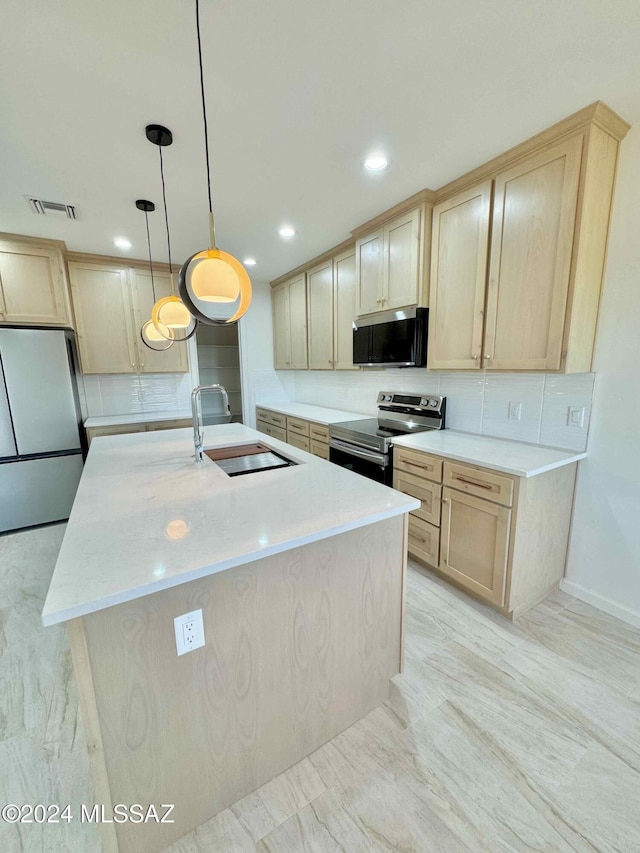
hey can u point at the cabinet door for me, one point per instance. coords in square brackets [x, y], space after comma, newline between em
[320, 296]
[281, 337]
[401, 261]
[173, 360]
[298, 323]
[369, 273]
[104, 318]
[475, 544]
[344, 306]
[32, 285]
[459, 249]
[534, 216]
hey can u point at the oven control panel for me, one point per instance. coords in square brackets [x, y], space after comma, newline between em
[425, 402]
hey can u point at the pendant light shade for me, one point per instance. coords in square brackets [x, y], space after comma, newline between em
[213, 284]
[151, 338]
[170, 317]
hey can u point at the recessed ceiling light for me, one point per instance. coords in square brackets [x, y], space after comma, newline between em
[249, 262]
[376, 162]
[122, 243]
[286, 231]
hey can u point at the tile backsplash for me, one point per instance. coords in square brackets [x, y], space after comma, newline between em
[476, 402]
[137, 393]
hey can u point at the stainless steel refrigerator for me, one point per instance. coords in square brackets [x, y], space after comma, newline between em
[41, 450]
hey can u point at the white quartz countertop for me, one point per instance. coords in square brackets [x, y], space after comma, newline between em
[142, 418]
[512, 457]
[147, 518]
[319, 414]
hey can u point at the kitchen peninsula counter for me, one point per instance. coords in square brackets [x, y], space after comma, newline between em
[299, 573]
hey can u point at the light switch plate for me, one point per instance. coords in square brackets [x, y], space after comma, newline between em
[515, 411]
[189, 631]
[575, 416]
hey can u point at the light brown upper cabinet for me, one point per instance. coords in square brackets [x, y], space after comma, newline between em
[173, 360]
[331, 307]
[111, 303]
[459, 251]
[320, 306]
[390, 263]
[104, 318]
[289, 308]
[344, 308]
[548, 235]
[33, 285]
[534, 218]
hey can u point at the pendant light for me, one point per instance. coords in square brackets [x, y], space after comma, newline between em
[213, 284]
[169, 316]
[150, 336]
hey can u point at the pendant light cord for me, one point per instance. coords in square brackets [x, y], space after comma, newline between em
[153, 286]
[166, 215]
[206, 129]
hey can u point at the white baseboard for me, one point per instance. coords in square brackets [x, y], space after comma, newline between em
[613, 608]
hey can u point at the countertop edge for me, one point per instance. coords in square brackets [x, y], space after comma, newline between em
[505, 469]
[277, 407]
[61, 616]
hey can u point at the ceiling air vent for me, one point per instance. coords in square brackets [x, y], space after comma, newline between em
[51, 208]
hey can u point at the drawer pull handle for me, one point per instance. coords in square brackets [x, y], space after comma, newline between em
[473, 483]
[417, 538]
[418, 465]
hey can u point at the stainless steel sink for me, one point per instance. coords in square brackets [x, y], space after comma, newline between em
[237, 464]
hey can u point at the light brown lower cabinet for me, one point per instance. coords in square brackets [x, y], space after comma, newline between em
[306, 435]
[125, 429]
[475, 543]
[501, 538]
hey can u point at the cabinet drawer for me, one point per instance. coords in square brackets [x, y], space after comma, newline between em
[297, 426]
[298, 441]
[425, 491]
[278, 432]
[274, 418]
[424, 541]
[319, 431]
[319, 448]
[180, 423]
[419, 464]
[263, 426]
[478, 482]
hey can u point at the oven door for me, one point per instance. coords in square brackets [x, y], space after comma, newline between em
[360, 460]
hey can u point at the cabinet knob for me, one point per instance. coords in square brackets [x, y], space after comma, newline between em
[445, 500]
[475, 357]
[487, 357]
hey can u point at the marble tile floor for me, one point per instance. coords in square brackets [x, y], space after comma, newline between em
[497, 737]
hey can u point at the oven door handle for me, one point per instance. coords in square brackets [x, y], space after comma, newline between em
[369, 455]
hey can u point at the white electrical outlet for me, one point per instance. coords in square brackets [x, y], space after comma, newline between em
[515, 411]
[575, 416]
[189, 630]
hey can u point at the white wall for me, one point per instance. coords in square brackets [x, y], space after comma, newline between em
[260, 383]
[604, 555]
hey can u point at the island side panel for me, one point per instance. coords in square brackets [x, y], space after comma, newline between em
[299, 646]
[91, 724]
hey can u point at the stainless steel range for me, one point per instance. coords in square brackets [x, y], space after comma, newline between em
[365, 446]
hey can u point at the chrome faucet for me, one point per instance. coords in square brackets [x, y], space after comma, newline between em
[196, 411]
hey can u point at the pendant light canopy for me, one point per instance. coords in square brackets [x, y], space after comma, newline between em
[170, 317]
[213, 284]
[151, 338]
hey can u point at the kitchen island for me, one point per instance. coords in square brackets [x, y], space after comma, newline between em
[299, 573]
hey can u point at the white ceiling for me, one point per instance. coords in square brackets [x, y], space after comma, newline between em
[298, 92]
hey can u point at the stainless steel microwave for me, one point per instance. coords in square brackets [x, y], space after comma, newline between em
[392, 339]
